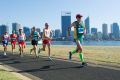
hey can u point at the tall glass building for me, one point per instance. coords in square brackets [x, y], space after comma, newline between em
[87, 24]
[93, 30]
[26, 30]
[115, 30]
[3, 29]
[57, 33]
[65, 22]
[105, 31]
[16, 27]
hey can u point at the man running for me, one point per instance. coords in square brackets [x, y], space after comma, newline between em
[13, 37]
[46, 39]
[5, 40]
[79, 31]
[35, 37]
[21, 41]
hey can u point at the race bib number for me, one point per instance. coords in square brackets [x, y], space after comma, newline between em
[21, 38]
[13, 39]
[80, 30]
[5, 41]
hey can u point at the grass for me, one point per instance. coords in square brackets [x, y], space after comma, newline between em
[5, 75]
[108, 54]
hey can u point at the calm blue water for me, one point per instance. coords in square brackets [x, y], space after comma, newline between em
[87, 43]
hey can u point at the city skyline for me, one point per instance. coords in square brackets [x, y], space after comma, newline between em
[22, 26]
[59, 34]
[36, 13]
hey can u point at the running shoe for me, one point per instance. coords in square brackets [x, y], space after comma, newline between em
[5, 54]
[84, 64]
[50, 58]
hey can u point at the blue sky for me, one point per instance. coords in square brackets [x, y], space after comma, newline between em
[37, 12]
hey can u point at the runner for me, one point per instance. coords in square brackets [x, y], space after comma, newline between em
[46, 39]
[21, 42]
[5, 40]
[79, 31]
[35, 37]
[13, 37]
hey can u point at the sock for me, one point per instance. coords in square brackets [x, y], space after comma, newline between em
[73, 52]
[81, 57]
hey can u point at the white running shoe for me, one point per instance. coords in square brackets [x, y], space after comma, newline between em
[5, 54]
[50, 58]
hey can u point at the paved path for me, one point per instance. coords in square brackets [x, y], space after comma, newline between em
[58, 70]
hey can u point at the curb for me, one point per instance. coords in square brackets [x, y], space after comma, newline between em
[14, 71]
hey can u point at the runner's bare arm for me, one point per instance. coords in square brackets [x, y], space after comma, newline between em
[69, 28]
[31, 34]
[43, 35]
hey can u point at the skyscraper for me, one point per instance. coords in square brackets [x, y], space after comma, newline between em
[16, 27]
[57, 33]
[115, 30]
[26, 30]
[105, 31]
[93, 30]
[53, 33]
[87, 24]
[3, 29]
[94, 34]
[65, 23]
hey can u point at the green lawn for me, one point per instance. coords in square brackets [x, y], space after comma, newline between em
[109, 54]
[5, 75]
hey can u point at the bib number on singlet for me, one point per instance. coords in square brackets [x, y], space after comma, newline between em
[5, 41]
[13, 39]
[21, 38]
[80, 30]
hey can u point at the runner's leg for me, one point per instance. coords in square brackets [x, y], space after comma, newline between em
[35, 50]
[4, 49]
[32, 42]
[73, 52]
[20, 48]
[49, 49]
[12, 47]
[81, 56]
